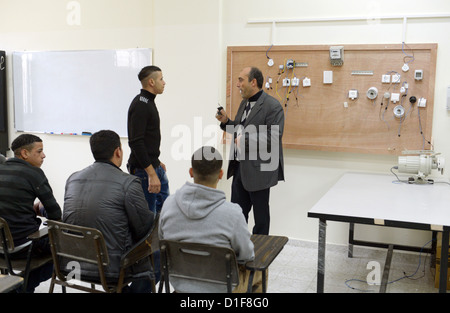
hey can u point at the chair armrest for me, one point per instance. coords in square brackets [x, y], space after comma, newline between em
[39, 234]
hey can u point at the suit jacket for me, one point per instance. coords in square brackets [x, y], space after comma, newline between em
[261, 158]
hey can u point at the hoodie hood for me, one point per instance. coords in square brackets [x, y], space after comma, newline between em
[197, 201]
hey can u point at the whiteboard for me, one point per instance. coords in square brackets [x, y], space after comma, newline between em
[75, 92]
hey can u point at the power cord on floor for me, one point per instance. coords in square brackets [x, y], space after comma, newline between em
[396, 280]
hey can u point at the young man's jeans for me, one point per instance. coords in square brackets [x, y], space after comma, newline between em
[154, 200]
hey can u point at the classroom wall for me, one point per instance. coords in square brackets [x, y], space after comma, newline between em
[309, 174]
[189, 39]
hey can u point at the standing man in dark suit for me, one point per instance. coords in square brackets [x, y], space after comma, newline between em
[256, 158]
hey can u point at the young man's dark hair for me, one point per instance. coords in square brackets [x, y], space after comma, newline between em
[103, 144]
[147, 72]
[206, 163]
[24, 141]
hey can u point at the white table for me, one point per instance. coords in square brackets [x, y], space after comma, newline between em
[379, 199]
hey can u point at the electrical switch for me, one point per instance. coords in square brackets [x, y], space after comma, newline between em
[306, 82]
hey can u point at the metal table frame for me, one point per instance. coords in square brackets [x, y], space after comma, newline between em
[320, 211]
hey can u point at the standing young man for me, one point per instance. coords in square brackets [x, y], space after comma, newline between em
[257, 128]
[22, 181]
[144, 138]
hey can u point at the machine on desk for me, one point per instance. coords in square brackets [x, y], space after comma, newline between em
[420, 163]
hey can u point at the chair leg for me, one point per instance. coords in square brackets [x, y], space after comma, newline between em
[161, 283]
[52, 283]
[26, 274]
[153, 286]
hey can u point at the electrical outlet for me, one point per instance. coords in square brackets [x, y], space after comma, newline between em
[396, 78]
[353, 94]
[286, 82]
[422, 103]
[418, 74]
[386, 79]
[306, 82]
[395, 97]
[295, 82]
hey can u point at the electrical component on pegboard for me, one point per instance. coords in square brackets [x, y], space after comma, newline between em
[372, 93]
[306, 82]
[290, 64]
[337, 55]
[418, 74]
[353, 94]
[396, 78]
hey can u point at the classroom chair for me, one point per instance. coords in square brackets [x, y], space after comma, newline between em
[78, 243]
[20, 267]
[201, 262]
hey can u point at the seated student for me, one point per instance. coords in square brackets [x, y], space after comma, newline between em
[2, 159]
[22, 182]
[102, 196]
[198, 212]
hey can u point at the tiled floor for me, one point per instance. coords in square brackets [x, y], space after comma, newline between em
[295, 271]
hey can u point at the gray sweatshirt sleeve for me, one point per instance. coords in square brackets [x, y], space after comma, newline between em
[240, 240]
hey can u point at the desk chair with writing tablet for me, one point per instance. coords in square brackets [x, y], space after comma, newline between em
[200, 262]
[20, 267]
[78, 243]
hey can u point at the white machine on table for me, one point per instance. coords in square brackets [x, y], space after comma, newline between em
[420, 163]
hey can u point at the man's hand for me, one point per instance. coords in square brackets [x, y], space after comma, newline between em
[154, 184]
[223, 118]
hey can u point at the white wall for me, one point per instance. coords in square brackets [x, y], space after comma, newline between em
[309, 174]
[189, 39]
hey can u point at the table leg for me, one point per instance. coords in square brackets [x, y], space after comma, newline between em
[264, 287]
[351, 234]
[387, 267]
[250, 282]
[444, 263]
[321, 256]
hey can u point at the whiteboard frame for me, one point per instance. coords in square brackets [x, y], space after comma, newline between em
[75, 91]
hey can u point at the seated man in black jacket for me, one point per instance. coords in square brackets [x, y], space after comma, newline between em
[102, 196]
[22, 181]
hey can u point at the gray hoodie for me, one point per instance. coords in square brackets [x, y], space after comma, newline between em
[196, 213]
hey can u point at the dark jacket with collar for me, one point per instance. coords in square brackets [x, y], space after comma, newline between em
[102, 196]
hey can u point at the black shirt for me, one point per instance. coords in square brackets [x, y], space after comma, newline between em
[144, 135]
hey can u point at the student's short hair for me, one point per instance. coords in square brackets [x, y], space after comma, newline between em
[103, 144]
[206, 163]
[24, 141]
[147, 71]
[255, 73]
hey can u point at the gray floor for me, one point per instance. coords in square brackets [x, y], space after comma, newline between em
[295, 271]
